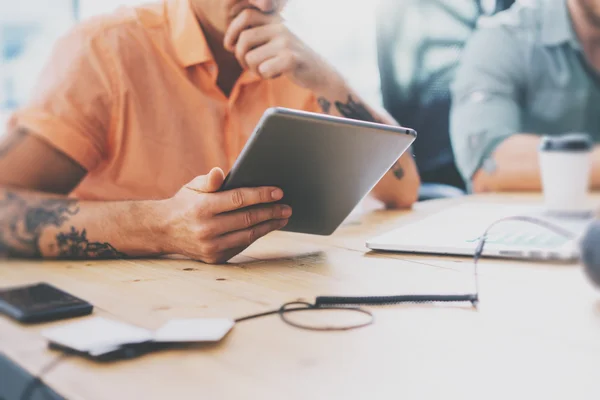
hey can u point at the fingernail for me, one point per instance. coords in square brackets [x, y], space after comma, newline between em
[277, 194]
[286, 211]
[283, 223]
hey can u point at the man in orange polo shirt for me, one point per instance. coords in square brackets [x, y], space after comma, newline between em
[121, 150]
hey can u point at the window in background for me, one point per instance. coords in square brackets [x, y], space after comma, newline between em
[89, 8]
[28, 29]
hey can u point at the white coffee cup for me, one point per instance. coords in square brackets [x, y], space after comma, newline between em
[565, 163]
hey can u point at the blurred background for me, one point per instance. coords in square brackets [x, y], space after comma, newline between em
[28, 29]
[400, 55]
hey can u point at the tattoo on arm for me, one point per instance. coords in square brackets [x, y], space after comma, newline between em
[324, 104]
[398, 171]
[75, 245]
[12, 140]
[22, 222]
[351, 109]
[355, 110]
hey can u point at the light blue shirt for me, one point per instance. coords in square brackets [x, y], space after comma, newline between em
[521, 72]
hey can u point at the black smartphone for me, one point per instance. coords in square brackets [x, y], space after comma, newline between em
[40, 303]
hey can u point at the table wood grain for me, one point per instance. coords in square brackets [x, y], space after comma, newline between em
[536, 334]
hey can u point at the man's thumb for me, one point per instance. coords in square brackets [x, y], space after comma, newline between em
[208, 183]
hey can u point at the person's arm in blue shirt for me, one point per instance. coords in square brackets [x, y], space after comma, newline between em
[491, 151]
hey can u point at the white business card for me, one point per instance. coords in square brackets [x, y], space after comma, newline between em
[96, 333]
[194, 330]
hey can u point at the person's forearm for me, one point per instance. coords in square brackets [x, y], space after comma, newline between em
[595, 168]
[515, 167]
[35, 225]
[397, 189]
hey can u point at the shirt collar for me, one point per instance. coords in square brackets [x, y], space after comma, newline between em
[188, 39]
[557, 27]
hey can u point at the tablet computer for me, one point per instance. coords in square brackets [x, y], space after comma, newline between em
[325, 165]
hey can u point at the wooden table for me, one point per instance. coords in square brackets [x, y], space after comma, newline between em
[536, 334]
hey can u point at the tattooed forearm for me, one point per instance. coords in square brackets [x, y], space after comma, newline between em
[12, 139]
[324, 104]
[75, 245]
[355, 110]
[352, 109]
[23, 221]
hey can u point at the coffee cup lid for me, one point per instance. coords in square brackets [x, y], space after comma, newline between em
[570, 142]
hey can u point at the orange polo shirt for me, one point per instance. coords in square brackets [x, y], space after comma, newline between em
[132, 97]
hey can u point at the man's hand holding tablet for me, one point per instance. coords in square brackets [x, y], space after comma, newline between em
[213, 226]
